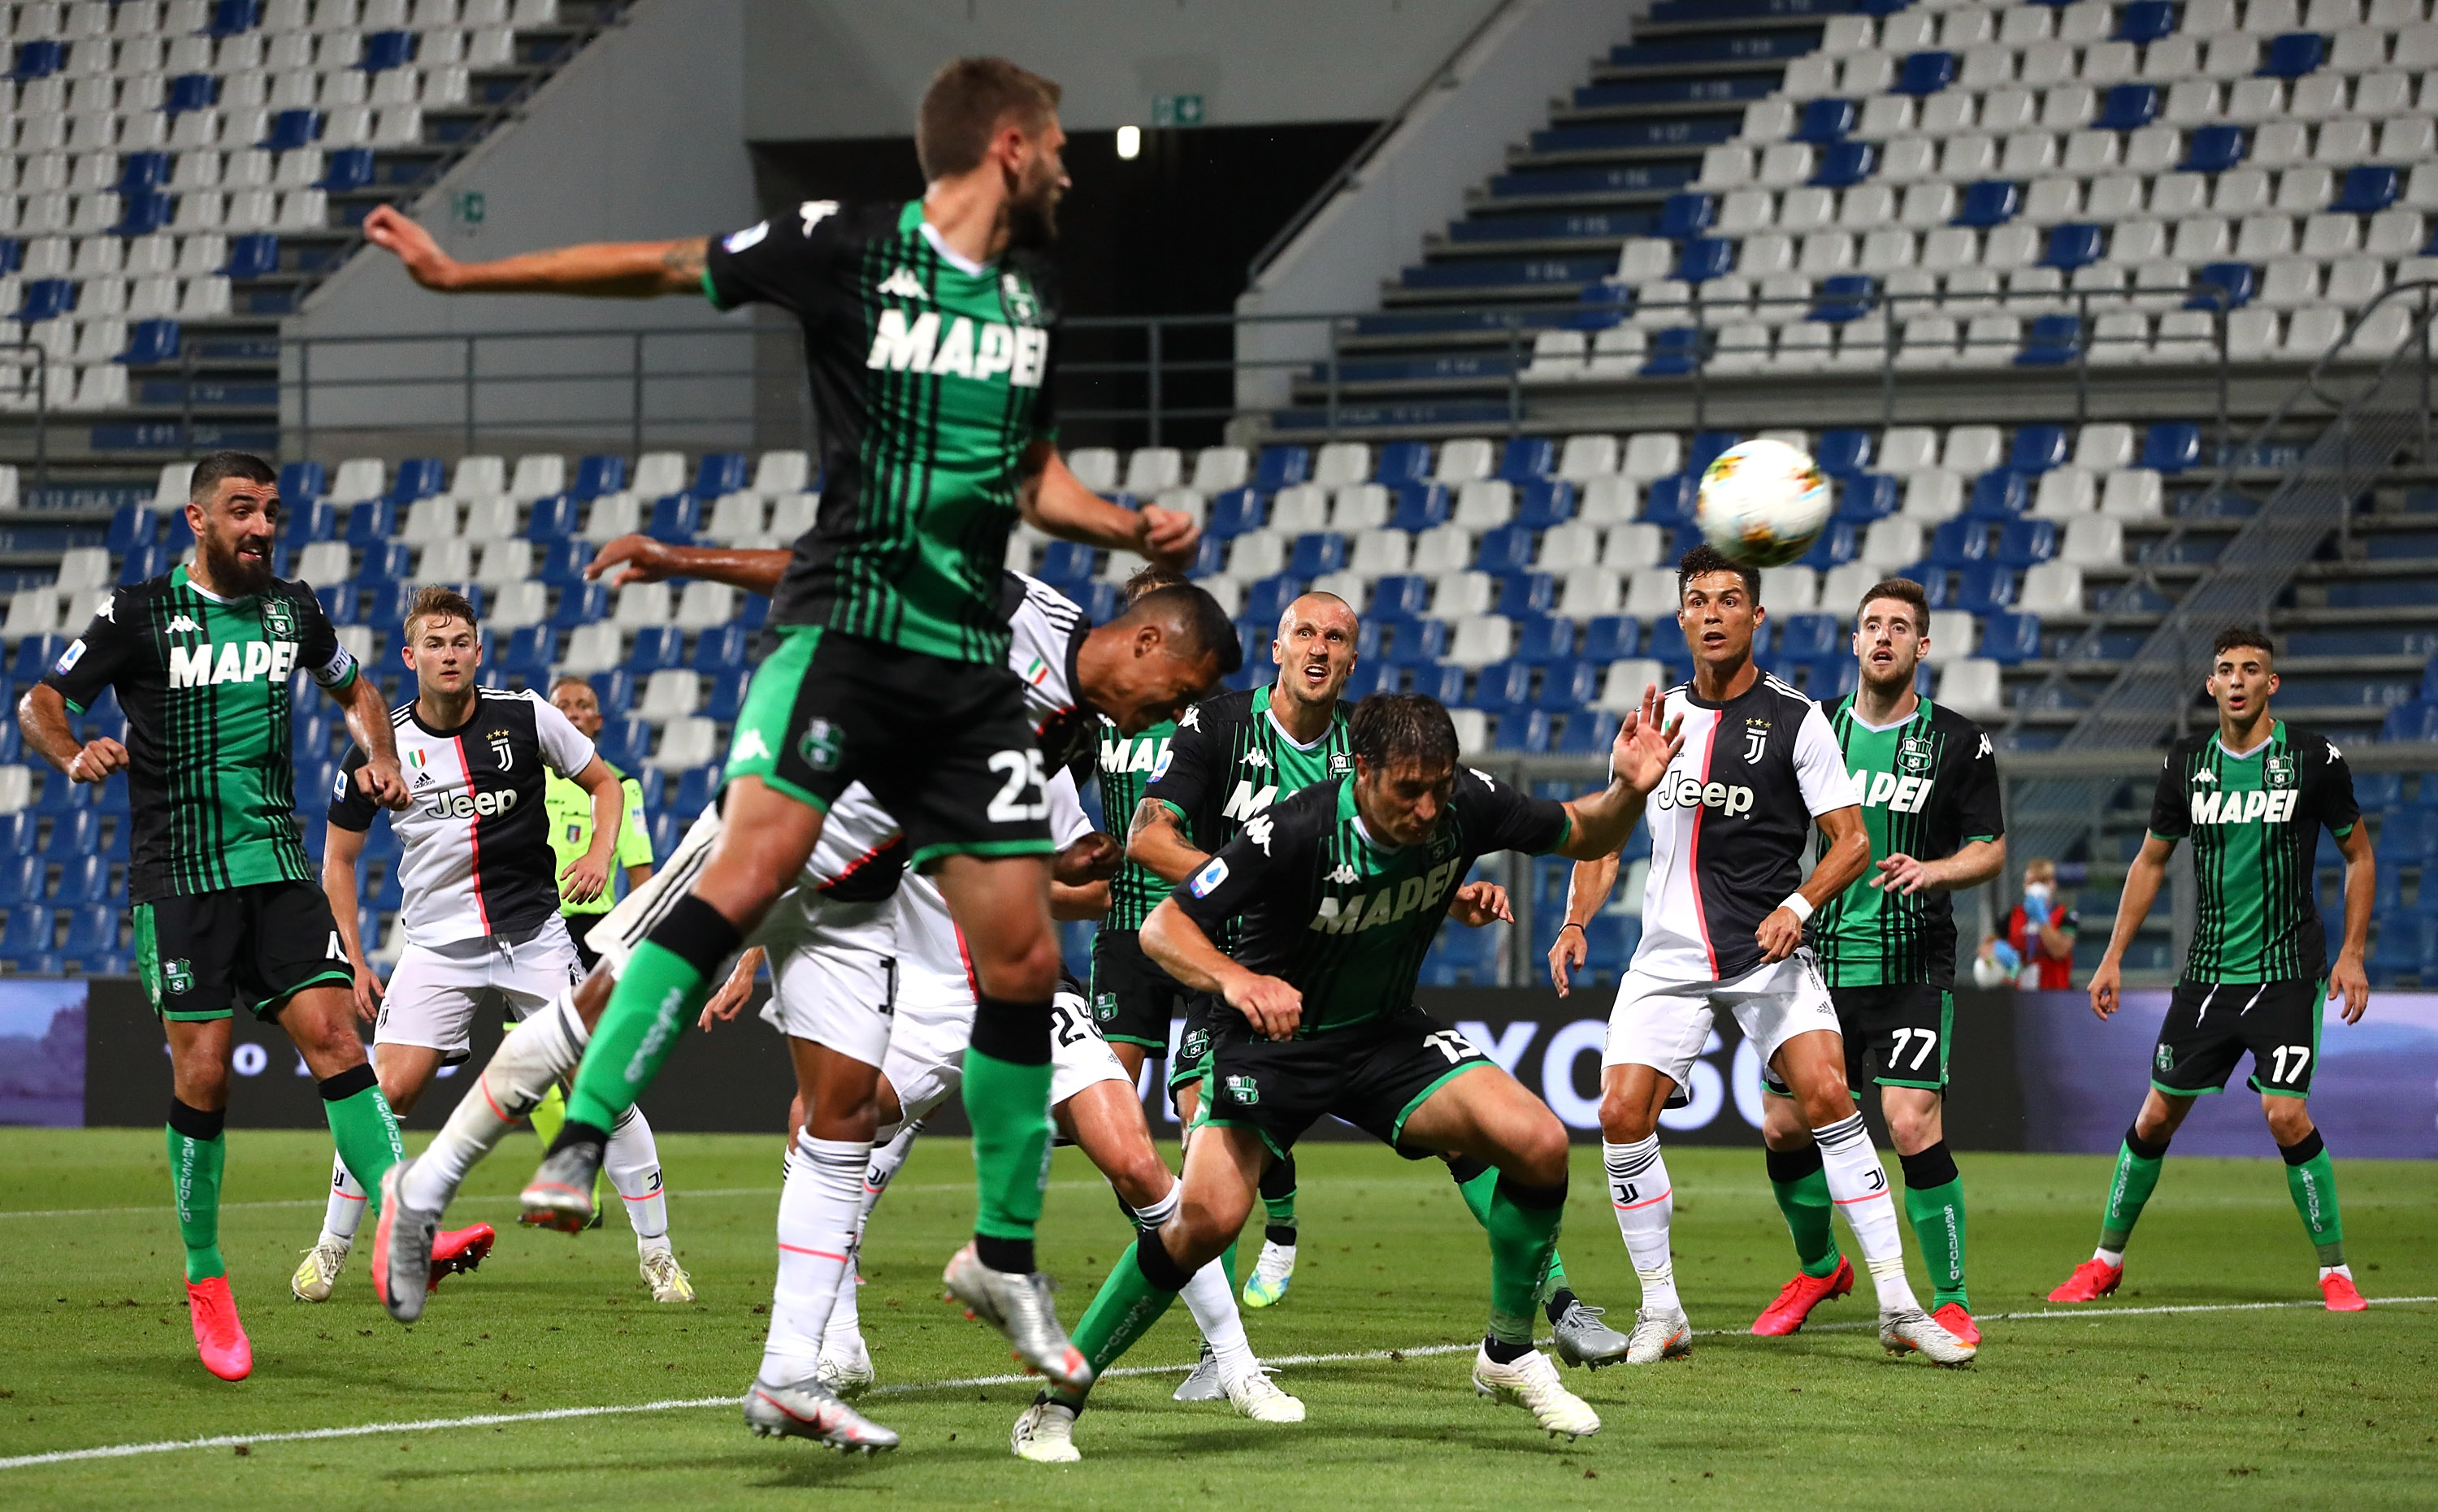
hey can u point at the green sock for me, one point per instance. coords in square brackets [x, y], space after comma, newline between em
[656, 996]
[1476, 1189]
[1128, 1304]
[1008, 1103]
[1936, 1214]
[364, 1128]
[1800, 1183]
[196, 1148]
[2136, 1178]
[2312, 1182]
[1523, 1228]
[1553, 1280]
[1279, 1194]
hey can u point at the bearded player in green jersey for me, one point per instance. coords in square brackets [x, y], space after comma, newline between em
[227, 911]
[2252, 796]
[1929, 782]
[928, 337]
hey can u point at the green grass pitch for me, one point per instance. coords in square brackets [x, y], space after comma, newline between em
[2112, 1407]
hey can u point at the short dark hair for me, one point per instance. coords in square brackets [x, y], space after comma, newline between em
[962, 111]
[569, 680]
[218, 466]
[1207, 631]
[1401, 727]
[1147, 580]
[2238, 636]
[1903, 590]
[437, 601]
[1706, 559]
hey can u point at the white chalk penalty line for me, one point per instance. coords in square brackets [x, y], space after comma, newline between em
[677, 1193]
[970, 1382]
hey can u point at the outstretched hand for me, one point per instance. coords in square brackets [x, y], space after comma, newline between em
[1644, 747]
[390, 229]
[631, 558]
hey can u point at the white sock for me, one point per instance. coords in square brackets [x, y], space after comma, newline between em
[530, 1060]
[2328, 1270]
[1155, 1214]
[345, 1209]
[632, 1164]
[1639, 1190]
[1208, 1297]
[2105, 1256]
[1858, 1183]
[817, 1211]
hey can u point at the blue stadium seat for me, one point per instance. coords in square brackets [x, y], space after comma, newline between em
[1067, 562]
[1462, 957]
[176, 533]
[385, 50]
[1869, 497]
[1668, 501]
[1234, 513]
[2406, 838]
[12, 746]
[230, 17]
[1707, 448]
[20, 834]
[553, 519]
[1566, 686]
[1417, 643]
[721, 648]
[38, 60]
[29, 932]
[1672, 352]
[1834, 548]
[2365, 191]
[625, 742]
[1844, 297]
[2415, 721]
[675, 519]
[1419, 505]
[310, 518]
[1210, 557]
[2172, 447]
[2293, 54]
[47, 299]
[142, 212]
[253, 256]
[725, 695]
[2053, 340]
[2407, 943]
[1525, 594]
[372, 522]
[1667, 642]
[1588, 733]
[1956, 541]
[192, 92]
[1542, 502]
[2376, 792]
[83, 880]
[2038, 447]
[131, 525]
[2027, 542]
[1833, 677]
[75, 831]
[656, 649]
[1611, 637]
[1925, 73]
[721, 472]
[1502, 686]
[1504, 549]
[2128, 107]
[143, 563]
[1990, 203]
[12, 254]
[1268, 598]
[1705, 258]
[2213, 149]
[1402, 462]
[1320, 551]
[2009, 636]
[1822, 121]
[1684, 216]
[346, 171]
[1376, 675]
[564, 562]
[1524, 732]
[1405, 596]
[1441, 680]
[1846, 164]
[21, 879]
[1542, 637]
[697, 787]
[1804, 637]
[1843, 454]
[385, 563]
[35, 655]
[1098, 600]
[598, 475]
[580, 604]
[2073, 244]
[1281, 468]
[1984, 587]
[1610, 941]
[294, 130]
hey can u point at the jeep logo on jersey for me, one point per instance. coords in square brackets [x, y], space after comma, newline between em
[1248, 800]
[2245, 808]
[1688, 791]
[1901, 795]
[469, 805]
[199, 666]
[1370, 910]
[920, 346]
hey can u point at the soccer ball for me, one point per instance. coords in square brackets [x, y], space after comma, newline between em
[1764, 502]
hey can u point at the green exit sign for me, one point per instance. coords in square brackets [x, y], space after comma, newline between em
[1176, 109]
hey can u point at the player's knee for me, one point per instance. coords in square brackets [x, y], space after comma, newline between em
[1911, 1129]
[2290, 1118]
[1026, 971]
[1540, 1154]
[200, 1080]
[1626, 1122]
[1142, 1178]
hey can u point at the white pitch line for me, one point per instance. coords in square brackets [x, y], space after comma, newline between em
[678, 1193]
[679, 1404]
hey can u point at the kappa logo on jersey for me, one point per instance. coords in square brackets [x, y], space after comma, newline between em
[812, 213]
[904, 284]
[750, 747]
[1343, 876]
[2206, 775]
[1020, 352]
[108, 608]
[1486, 780]
[1248, 800]
[1192, 719]
[1257, 757]
[1986, 748]
[1207, 881]
[1688, 791]
[1370, 910]
[1901, 795]
[2259, 805]
[181, 625]
[1257, 830]
[198, 666]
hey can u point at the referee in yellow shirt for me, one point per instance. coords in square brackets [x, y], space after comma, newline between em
[570, 819]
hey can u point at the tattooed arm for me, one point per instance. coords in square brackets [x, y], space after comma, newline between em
[621, 270]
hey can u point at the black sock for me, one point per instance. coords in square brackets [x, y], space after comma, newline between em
[1159, 1267]
[1010, 1030]
[698, 934]
[1925, 1169]
[1281, 1234]
[1504, 1353]
[1462, 1168]
[197, 1123]
[347, 1083]
[1559, 1302]
[1787, 1167]
[573, 1133]
[2303, 1151]
[2145, 1148]
[1014, 1256]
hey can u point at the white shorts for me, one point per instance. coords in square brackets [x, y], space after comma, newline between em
[435, 990]
[1664, 1023]
[833, 973]
[625, 926]
[935, 1023]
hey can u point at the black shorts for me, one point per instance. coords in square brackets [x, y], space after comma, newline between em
[1132, 1000]
[578, 926]
[1203, 1013]
[205, 955]
[945, 745]
[2211, 1026]
[1374, 1076]
[1901, 1029]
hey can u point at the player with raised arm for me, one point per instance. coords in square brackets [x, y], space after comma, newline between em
[2252, 796]
[1928, 780]
[927, 333]
[481, 919]
[1759, 768]
[226, 910]
[1338, 891]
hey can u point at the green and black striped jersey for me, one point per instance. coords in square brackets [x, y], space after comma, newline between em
[930, 379]
[1231, 759]
[2254, 823]
[1315, 901]
[1128, 764]
[204, 685]
[1929, 785]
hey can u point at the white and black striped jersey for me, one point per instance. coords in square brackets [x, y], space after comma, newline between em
[1730, 824]
[476, 861]
[1048, 630]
